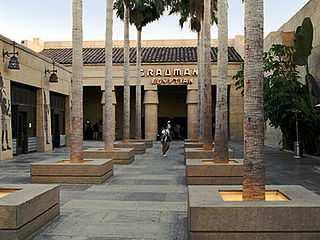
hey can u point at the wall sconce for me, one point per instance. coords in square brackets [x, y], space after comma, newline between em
[53, 77]
[14, 61]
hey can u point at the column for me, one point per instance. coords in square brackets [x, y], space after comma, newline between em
[236, 114]
[192, 109]
[68, 120]
[7, 147]
[151, 102]
[43, 121]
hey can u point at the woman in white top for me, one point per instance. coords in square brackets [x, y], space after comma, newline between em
[165, 140]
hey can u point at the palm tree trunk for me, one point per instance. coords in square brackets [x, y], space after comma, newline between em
[76, 85]
[126, 81]
[253, 165]
[201, 80]
[138, 86]
[207, 134]
[199, 83]
[108, 107]
[221, 129]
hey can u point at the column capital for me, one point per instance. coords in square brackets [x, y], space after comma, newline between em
[192, 96]
[151, 97]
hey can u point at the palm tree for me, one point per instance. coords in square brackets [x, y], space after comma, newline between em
[108, 108]
[253, 164]
[76, 85]
[193, 10]
[207, 134]
[221, 130]
[126, 75]
[142, 12]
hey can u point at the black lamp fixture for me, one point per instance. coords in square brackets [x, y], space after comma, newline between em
[53, 77]
[14, 61]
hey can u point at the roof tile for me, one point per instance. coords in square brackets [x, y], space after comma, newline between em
[149, 55]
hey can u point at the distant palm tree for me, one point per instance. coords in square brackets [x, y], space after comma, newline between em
[221, 126]
[253, 164]
[192, 10]
[76, 153]
[142, 12]
[126, 74]
[108, 107]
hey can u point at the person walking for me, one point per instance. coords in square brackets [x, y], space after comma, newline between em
[96, 131]
[165, 140]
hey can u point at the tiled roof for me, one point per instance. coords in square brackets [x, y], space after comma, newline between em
[149, 55]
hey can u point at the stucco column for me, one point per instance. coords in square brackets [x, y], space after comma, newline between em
[7, 145]
[151, 102]
[68, 120]
[43, 121]
[114, 103]
[236, 114]
[192, 109]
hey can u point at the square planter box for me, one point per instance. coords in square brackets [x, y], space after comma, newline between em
[24, 209]
[205, 172]
[210, 217]
[147, 142]
[191, 140]
[193, 145]
[139, 147]
[198, 153]
[94, 171]
[118, 155]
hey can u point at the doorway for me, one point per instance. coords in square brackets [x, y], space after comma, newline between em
[173, 107]
[55, 129]
[22, 133]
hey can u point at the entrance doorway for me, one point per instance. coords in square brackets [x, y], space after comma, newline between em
[22, 134]
[173, 107]
[55, 123]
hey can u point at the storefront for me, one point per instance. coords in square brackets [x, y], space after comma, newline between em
[24, 114]
[58, 116]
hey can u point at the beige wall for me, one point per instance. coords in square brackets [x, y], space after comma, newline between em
[32, 73]
[284, 35]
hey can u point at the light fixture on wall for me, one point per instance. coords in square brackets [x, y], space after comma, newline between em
[53, 77]
[14, 61]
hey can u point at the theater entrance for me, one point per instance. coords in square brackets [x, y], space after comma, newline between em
[173, 107]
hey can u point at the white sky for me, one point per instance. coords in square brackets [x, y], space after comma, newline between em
[51, 20]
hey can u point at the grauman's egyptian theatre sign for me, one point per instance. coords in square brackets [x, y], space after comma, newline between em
[170, 76]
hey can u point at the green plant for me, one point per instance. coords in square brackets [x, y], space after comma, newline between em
[303, 40]
[284, 94]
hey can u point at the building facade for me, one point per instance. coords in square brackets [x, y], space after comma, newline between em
[169, 79]
[29, 101]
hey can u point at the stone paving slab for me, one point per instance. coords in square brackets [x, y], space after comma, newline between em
[126, 205]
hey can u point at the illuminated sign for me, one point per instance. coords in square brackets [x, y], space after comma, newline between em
[170, 76]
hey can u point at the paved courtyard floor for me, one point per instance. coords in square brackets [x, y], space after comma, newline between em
[144, 200]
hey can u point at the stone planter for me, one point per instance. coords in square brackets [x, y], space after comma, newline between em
[198, 153]
[296, 217]
[147, 142]
[205, 172]
[191, 140]
[193, 145]
[139, 147]
[26, 209]
[94, 171]
[118, 155]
